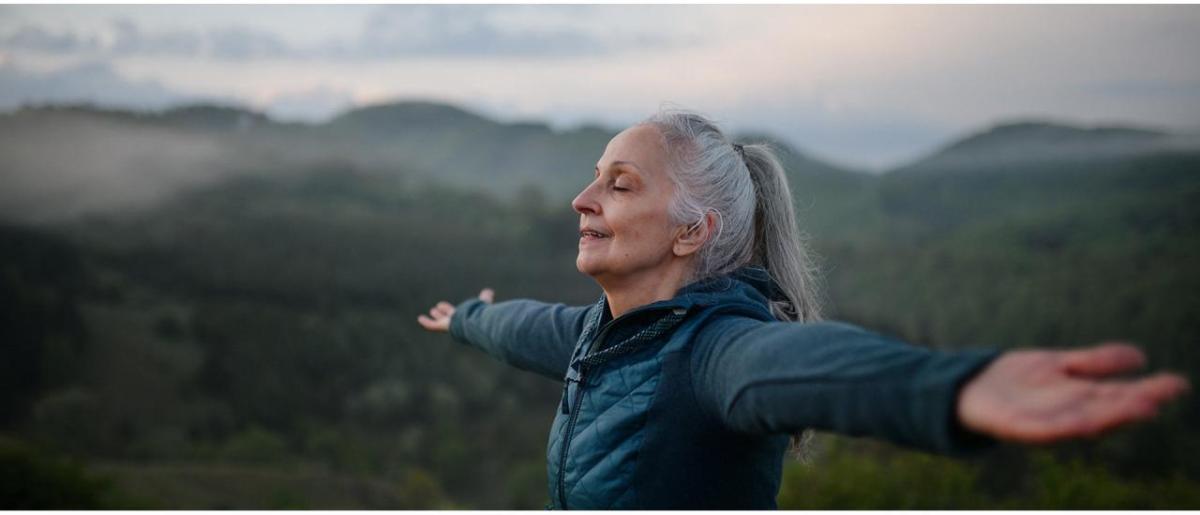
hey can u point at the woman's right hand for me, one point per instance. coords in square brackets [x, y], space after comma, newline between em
[438, 319]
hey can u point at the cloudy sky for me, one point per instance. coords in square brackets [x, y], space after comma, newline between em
[865, 86]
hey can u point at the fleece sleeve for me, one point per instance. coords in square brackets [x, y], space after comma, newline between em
[777, 377]
[526, 334]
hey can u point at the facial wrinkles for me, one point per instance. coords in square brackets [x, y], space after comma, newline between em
[636, 219]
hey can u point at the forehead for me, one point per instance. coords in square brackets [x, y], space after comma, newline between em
[642, 145]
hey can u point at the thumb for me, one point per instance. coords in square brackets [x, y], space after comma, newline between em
[487, 295]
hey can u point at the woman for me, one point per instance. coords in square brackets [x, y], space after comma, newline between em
[681, 384]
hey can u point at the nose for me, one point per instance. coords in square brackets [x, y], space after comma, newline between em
[585, 203]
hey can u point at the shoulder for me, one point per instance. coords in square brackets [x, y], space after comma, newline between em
[719, 327]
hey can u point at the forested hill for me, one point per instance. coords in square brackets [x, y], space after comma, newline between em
[82, 160]
[1030, 169]
[215, 310]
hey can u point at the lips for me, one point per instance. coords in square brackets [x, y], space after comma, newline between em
[589, 233]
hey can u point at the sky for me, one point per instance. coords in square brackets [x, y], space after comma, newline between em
[867, 87]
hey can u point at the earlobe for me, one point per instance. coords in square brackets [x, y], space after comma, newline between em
[692, 238]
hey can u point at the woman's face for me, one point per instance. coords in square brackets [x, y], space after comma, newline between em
[625, 231]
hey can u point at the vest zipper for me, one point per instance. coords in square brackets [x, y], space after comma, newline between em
[574, 415]
[597, 346]
[566, 446]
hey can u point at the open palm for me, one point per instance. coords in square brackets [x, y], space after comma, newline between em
[438, 319]
[1041, 396]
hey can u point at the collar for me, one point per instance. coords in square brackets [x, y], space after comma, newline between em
[748, 285]
[746, 289]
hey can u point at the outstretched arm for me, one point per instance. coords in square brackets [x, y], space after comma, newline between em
[776, 377]
[784, 377]
[527, 334]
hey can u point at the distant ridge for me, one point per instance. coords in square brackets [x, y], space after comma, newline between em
[1038, 132]
[408, 115]
[214, 117]
[1023, 142]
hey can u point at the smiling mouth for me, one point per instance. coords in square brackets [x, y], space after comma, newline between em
[588, 234]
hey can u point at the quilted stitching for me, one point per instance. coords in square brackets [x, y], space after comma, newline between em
[602, 428]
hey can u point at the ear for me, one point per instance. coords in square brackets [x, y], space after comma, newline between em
[691, 238]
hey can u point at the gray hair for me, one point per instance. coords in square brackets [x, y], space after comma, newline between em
[747, 190]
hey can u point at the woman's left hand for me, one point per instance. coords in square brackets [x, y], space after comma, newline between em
[1041, 396]
[438, 319]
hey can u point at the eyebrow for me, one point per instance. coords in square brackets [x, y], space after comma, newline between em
[619, 163]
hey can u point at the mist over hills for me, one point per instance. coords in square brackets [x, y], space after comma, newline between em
[80, 159]
[62, 161]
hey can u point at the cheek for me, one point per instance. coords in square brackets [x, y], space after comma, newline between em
[651, 235]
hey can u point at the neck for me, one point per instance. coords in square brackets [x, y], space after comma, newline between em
[630, 292]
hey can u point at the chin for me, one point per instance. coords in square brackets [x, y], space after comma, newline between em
[586, 266]
[582, 266]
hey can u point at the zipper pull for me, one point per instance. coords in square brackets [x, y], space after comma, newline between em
[579, 386]
[566, 397]
[567, 384]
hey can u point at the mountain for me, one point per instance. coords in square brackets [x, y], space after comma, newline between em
[386, 120]
[1018, 144]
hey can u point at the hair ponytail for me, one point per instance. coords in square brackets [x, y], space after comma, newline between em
[778, 246]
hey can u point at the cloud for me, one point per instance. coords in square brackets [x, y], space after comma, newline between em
[123, 37]
[92, 82]
[240, 43]
[1135, 88]
[490, 30]
[38, 39]
[129, 39]
[391, 32]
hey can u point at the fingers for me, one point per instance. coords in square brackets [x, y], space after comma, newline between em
[433, 325]
[1103, 360]
[438, 318]
[1096, 420]
[1105, 407]
[441, 310]
[1115, 404]
[1161, 387]
[1081, 419]
[439, 315]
